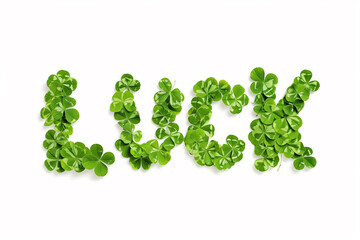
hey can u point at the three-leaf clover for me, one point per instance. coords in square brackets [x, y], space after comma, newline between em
[305, 160]
[172, 135]
[271, 112]
[199, 111]
[61, 84]
[124, 116]
[123, 99]
[261, 132]
[52, 139]
[195, 140]
[97, 160]
[263, 164]
[64, 106]
[162, 116]
[206, 156]
[236, 99]
[127, 82]
[303, 85]
[53, 161]
[222, 158]
[208, 89]
[237, 147]
[129, 135]
[159, 153]
[73, 154]
[168, 95]
[263, 84]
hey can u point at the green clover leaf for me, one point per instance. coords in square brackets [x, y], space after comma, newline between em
[304, 86]
[129, 135]
[195, 140]
[224, 87]
[124, 116]
[172, 135]
[222, 158]
[169, 96]
[261, 132]
[97, 160]
[208, 89]
[236, 99]
[127, 82]
[270, 112]
[237, 147]
[143, 162]
[73, 154]
[263, 84]
[162, 116]
[61, 84]
[61, 106]
[209, 129]
[206, 156]
[123, 99]
[124, 148]
[263, 164]
[200, 113]
[53, 161]
[52, 139]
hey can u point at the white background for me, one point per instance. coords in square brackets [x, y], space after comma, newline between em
[186, 41]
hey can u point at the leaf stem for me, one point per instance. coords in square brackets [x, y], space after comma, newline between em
[281, 157]
[173, 84]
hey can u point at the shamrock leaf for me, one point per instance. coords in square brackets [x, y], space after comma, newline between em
[123, 99]
[208, 89]
[293, 108]
[160, 155]
[61, 106]
[61, 84]
[162, 116]
[236, 99]
[97, 160]
[124, 148]
[222, 158]
[124, 116]
[53, 160]
[271, 112]
[263, 164]
[64, 126]
[169, 96]
[263, 84]
[73, 154]
[209, 129]
[196, 140]
[199, 112]
[53, 140]
[172, 135]
[129, 135]
[237, 147]
[206, 156]
[305, 159]
[224, 87]
[143, 162]
[127, 82]
[303, 85]
[261, 132]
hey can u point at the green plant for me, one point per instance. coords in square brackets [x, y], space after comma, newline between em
[200, 131]
[168, 104]
[62, 154]
[277, 130]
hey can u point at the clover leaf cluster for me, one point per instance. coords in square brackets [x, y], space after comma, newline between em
[200, 131]
[62, 154]
[277, 130]
[168, 105]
